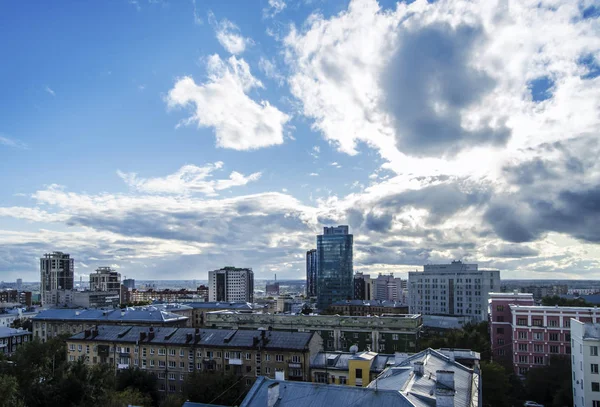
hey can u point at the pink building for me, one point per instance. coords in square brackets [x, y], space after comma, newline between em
[527, 335]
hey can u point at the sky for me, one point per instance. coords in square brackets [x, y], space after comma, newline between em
[169, 138]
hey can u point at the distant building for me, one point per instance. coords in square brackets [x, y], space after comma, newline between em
[272, 289]
[11, 339]
[364, 308]
[231, 284]
[535, 333]
[174, 353]
[363, 287]
[335, 280]
[57, 272]
[19, 284]
[385, 334]
[16, 297]
[456, 289]
[311, 273]
[388, 288]
[200, 309]
[93, 299]
[586, 359]
[167, 295]
[105, 279]
[54, 322]
[129, 283]
[341, 367]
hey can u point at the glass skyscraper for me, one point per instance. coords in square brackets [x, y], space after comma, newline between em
[311, 273]
[335, 280]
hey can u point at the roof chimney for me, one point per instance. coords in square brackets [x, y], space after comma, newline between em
[273, 394]
[418, 368]
[444, 388]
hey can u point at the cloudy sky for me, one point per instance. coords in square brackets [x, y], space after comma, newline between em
[169, 138]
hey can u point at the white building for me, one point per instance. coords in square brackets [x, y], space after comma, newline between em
[456, 289]
[389, 288]
[231, 284]
[105, 279]
[585, 342]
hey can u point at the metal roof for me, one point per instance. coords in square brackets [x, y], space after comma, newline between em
[192, 404]
[372, 303]
[421, 389]
[220, 305]
[339, 360]
[223, 338]
[145, 314]
[304, 394]
[6, 332]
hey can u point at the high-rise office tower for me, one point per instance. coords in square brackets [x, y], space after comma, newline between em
[311, 273]
[362, 287]
[335, 281]
[129, 283]
[57, 272]
[231, 284]
[105, 279]
[19, 284]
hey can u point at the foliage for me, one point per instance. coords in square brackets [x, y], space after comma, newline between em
[172, 400]
[140, 380]
[565, 302]
[551, 385]
[9, 389]
[472, 336]
[213, 388]
[495, 383]
[129, 397]
[22, 324]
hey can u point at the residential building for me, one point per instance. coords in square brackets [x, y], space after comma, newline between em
[386, 334]
[166, 295]
[105, 279]
[456, 289]
[200, 309]
[341, 367]
[272, 289]
[426, 379]
[363, 287]
[501, 325]
[54, 322]
[231, 284]
[366, 308]
[585, 343]
[8, 316]
[335, 276]
[173, 353]
[537, 333]
[15, 297]
[311, 273]
[57, 271]
[388, 288]
[11, 339]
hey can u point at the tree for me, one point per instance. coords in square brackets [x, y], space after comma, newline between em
[129, 397]
[472, 336]
[495, 385]
[141, 380]
[212, 388]
[9, 389]
[565, 302]
[551, 384]
[22, 324]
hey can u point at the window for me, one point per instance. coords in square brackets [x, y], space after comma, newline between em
[523, 359]
[342, 379]
[226, 355]
[593, 351]
[538, 336]
[553, 348]
[161, 363]
[172, 388]
[181, 353]
[595, 386]
[279, 358]
[522, 321]
[523, 347]
[499, 330]
[161, 351]
[171, 352]
[594, 367]
[182, 365]
[358, 373]
[79, 348]
[500, 308]
[522, 335]
[553, 322]
[267, 370]
[171, 376]
[553, 337]
[151, 362]
[538, 360]
[500, 341]
[248, 356]
[596, 403]
[537, 322]
[296, 359]
[538, 348]
[267, 357]
[394, 338]
[72, 347]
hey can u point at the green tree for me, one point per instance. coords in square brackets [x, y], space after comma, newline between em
[495, 385]
[212, 388]
[9, 389]
[137, 379]
[565, 302]
[129, 397]
[551, 385]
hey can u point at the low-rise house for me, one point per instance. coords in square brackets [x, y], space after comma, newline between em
[54, 322]
[342, 367]
[173, 353]
[11, 339]
[200, 309]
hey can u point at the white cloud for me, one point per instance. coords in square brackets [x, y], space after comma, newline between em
[275, 7]
[197, 19]
[188, 179]
[222, 102]
[50, 91]
[270, 70]
[229, 36]
[10, 142]
[313, 174]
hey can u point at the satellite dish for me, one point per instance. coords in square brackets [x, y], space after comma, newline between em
[353, 348]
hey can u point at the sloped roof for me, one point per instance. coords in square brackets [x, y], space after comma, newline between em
[220, 305]
[7, 332]
[145, 314]
[379, 361]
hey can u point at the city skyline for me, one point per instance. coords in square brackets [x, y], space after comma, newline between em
[167, 139]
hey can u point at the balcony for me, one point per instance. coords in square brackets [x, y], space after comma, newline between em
[237, 362]
[123, 366]
[294, 365]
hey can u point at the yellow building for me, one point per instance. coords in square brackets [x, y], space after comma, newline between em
[349, 368]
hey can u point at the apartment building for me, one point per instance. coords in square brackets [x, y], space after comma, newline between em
[386, 334]
[585, 343]
[54, 322]
[200, 309]
[349, 368]
[537, 332]
[456, 289]
[231, 284]
[11, 339]
[57, 271]
[365, 308]
[173, 353]
[105, 279]
[182, 295]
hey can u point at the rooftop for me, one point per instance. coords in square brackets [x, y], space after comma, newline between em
[420, 388]
[6, 332]
[372, 303]
[510, 295]
[339, 360]
[516, 307]
[223, 338]
[132, 314]
[220, 305]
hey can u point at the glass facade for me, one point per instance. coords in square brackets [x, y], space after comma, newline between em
[311, 273]
[335, 280]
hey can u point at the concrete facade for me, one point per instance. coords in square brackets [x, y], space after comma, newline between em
[585, 358]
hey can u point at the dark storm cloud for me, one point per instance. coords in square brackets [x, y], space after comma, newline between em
[379, 223]
[429, 82]
[529, 172]
[513, 251]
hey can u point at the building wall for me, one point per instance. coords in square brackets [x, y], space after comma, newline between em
[335, 280]
[10, 343]
[585, 352]
[105, 279]
[456, 289]
[311, 273]
[56, 273]
[231, 284]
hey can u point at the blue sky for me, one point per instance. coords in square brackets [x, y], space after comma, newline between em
[173, 137]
